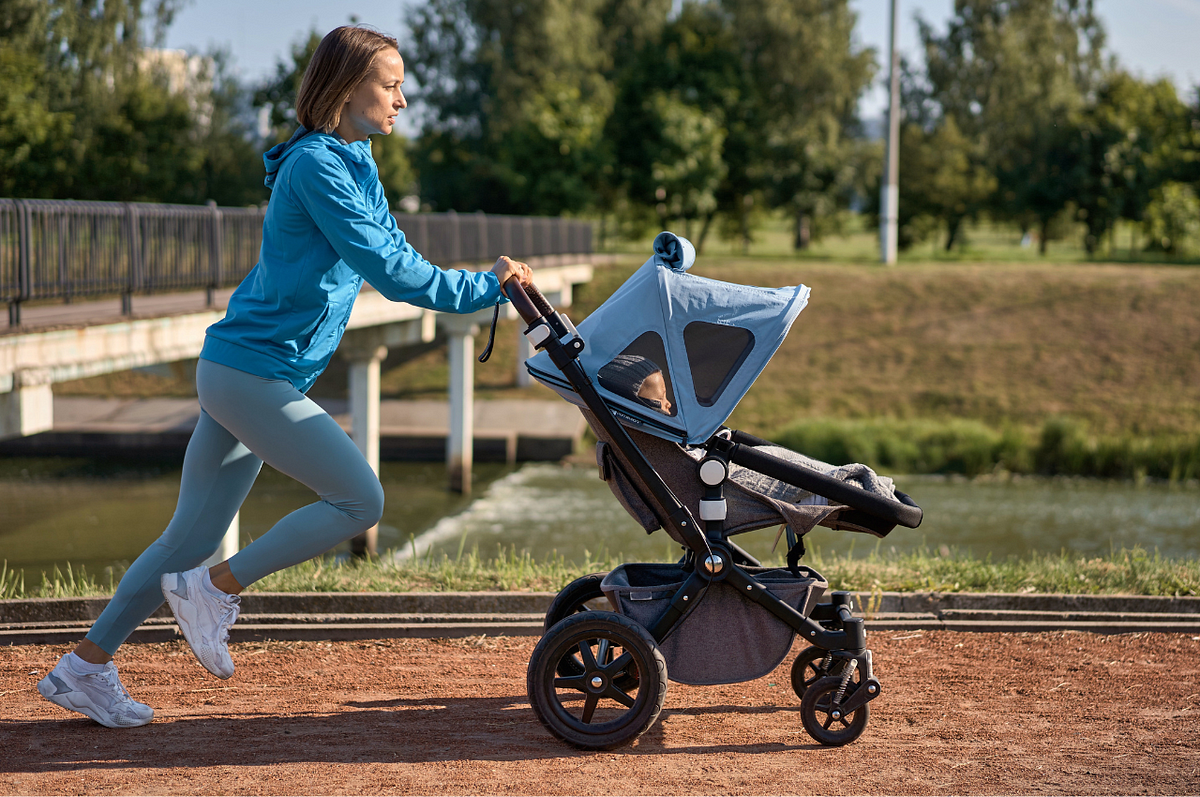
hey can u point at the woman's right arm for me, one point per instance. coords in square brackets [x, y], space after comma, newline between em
[379, 252]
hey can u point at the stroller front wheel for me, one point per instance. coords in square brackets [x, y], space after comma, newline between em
[823, 718]
[618, 692]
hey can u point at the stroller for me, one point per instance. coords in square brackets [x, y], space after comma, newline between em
[667, 358]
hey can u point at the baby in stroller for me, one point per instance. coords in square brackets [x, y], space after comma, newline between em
[665, 362]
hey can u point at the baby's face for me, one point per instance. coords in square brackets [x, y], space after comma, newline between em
[654, 387]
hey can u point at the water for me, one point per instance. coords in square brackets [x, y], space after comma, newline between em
[101, 515]
[55, 511]
[569, 511]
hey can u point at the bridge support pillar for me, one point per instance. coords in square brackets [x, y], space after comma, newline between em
[27, 407]
[229, 543]
[364, 422]
[461, 440]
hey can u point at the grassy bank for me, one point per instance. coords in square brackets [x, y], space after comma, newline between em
[1127, 572]
[1062, 446]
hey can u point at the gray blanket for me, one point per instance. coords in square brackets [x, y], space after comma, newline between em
[856, 474]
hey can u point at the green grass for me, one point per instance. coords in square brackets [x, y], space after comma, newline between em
[851, 238]
[1062, 446]
[1124, 572]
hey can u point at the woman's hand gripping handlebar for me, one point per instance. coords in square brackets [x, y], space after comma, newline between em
[509, 272]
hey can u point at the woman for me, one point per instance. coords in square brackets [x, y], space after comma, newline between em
[327, 229]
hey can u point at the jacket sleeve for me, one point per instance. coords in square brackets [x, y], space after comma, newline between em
[376, 248]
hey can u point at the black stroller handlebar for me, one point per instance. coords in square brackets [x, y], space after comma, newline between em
[522, 300]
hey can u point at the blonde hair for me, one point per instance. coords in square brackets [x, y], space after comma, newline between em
[343, 60]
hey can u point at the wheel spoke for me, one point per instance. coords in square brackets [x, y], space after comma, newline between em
[603, 651]
[613, 693]
[589, 706]
[585, 653]
[619, 664]
[577, 682]
[828, 721]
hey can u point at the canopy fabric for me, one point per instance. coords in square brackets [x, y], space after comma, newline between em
[711, 340]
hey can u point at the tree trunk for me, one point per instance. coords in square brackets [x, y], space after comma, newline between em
[952, 227]
[708, 218]
[803, 235]
[1044, 236]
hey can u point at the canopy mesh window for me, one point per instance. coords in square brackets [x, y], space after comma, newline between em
[715, 352]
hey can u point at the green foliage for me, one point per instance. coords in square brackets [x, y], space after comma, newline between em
[945, 181]
[277, 95]
[89, 111]
[1063, 446]
[517, 98]
[1172, 219]
[723, 107]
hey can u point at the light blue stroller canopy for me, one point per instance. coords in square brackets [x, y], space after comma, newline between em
[710, 339]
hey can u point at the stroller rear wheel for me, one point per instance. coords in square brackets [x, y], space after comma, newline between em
[581, 595]
[822, 715]
[618, 691]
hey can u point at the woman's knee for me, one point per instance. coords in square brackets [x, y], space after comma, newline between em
[363, 506]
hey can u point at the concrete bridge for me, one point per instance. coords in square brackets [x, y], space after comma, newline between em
[58, 343]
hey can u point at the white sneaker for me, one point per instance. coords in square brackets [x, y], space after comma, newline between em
[99, 695]
[203, 617]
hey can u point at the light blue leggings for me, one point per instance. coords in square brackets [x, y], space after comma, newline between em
[246, 420]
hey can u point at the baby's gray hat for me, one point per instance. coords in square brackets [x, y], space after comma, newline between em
[626, 373]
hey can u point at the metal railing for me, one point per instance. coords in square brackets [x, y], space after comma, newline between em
[71, 249]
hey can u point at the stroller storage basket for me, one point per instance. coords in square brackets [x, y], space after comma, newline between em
[725, 637]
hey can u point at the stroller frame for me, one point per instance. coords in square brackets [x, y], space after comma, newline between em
[833, 677]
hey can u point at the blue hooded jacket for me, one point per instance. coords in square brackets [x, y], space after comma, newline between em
[327, 229]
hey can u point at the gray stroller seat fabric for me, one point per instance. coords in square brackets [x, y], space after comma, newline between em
[748, 508]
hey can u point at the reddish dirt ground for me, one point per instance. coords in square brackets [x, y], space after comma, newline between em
[1060, 713]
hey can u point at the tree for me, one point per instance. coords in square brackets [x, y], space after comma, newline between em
[943, 180]
[1135, 137]
[33, 137]
[804, 76]
[1015, 76]
[517, 97]
[85, 112]
[277, 95]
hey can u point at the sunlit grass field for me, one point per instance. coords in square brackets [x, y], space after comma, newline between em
[874, 569]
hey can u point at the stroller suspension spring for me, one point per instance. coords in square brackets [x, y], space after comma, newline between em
[847, 674]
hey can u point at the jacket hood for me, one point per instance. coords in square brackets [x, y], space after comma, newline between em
[302, 139]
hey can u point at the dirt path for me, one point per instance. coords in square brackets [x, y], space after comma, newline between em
[1062, 713]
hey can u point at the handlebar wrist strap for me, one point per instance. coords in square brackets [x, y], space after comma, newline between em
[487, 351]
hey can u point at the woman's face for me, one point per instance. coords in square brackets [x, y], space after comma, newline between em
[373, 106]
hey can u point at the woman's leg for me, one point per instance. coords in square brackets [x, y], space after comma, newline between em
[292, 434]
[218, 473]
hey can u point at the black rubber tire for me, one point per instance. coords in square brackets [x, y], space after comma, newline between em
[574, 598]
[612, 649]
[807, 670]
[815, 713]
